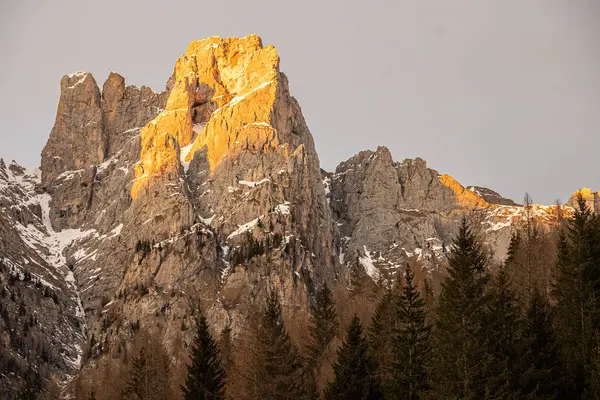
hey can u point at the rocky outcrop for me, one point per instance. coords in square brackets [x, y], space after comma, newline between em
[491, 196]
[94, 132]
[388, 213]
[385, 210]
[209, 193]
[592, 199]
[241, 161]
[126, 110]
[78, 127]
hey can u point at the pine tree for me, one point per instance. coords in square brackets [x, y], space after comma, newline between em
[205, 377]
[541, 377]
[577, 294]
[324, 325]
[354, 377]
[459, 359]
[503, 339]
[139, 379]
[531, 248]
[410, 341]
[277, 370]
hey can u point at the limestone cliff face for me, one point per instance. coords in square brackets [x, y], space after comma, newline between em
[231, 106]
[93, 133]
[79, 116]
[223, 97]
[209, 193]
[388, 213]
[463, 197]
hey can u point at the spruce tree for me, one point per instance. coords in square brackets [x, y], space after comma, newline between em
[277, 370]
[354, 369]
[460, 358]
[380, 337]
[205, 377]
[324, 325]
[577, 294]
[542, 373]
[410, 342]
[503, 339]
[139, 378]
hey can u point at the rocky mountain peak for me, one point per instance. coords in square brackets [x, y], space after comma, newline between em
[592, 199]
[78, 127]
[207, 192]
[491, 196]
[91, 127]
[224, 97]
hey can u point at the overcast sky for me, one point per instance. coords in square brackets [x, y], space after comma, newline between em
[503, 93]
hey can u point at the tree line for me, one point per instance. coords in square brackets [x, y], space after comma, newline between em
[487, 338]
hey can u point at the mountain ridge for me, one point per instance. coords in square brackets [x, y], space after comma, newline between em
[209, 194]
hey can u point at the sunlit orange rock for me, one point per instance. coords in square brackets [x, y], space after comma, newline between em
[592, 199]
[224, 98]
[464, 197]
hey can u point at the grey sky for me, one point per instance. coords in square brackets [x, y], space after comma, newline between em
[503, 93]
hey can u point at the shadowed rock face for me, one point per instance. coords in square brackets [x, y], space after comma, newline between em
[79, 127]
[93, 134]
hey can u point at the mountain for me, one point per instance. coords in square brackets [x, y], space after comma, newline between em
[491, 196]
[388, 213]
[208, 194]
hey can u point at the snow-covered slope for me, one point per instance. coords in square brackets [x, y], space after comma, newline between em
[43, 319]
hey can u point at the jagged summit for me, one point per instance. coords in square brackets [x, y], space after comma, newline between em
[223, 97]
[95, 124]
[208, 192]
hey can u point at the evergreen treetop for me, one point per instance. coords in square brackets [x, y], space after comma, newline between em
[205, 376]
[410, 342]
[324, 324]
[354, 369]
[459, 360]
